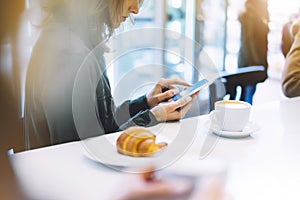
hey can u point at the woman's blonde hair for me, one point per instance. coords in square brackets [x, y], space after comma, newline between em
[95, 20]
[95, 17]
[115, 8]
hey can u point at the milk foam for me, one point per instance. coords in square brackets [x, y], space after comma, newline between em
[233, 105]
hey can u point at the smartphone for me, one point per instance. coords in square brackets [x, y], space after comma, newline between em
[191, 90]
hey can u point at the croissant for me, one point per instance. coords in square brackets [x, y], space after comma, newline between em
[138, 142]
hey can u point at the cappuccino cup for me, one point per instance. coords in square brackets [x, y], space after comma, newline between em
[230, 115]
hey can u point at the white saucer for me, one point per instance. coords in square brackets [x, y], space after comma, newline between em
[250, 128]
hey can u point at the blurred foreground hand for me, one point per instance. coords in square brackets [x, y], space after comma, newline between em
[146, 186]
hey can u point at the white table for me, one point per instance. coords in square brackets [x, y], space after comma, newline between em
[265, 165]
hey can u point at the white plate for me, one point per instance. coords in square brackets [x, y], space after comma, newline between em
[250, 128]
[102, 149]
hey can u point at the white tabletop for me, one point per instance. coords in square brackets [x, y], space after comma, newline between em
[265, 165]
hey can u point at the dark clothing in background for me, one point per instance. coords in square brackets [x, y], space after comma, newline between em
[254, 42]
[11, 127]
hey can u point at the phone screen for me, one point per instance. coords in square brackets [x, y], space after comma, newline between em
[191, 90]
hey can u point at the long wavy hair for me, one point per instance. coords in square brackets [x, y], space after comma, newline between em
[93, 20]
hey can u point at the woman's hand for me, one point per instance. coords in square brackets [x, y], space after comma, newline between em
[173, 110]
[163, 90]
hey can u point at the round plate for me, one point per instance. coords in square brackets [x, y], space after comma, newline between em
[248, 130]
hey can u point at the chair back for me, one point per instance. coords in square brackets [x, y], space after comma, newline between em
[219, 88]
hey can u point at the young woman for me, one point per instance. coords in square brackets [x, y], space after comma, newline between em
[70, 32]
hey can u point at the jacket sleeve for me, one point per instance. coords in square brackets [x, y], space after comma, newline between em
[143, 118]
[291, 72]
[130, 113]
[135, 112]
[130, 108]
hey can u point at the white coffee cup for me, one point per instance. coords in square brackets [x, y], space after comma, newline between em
[230, 115]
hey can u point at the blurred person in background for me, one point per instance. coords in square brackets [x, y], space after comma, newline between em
[291, 71]
[254, 43]
[10, 128]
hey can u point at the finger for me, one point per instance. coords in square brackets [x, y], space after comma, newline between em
[174, 116]
[182, 102]
[165, 85]
[195, 95]
[175, 109]
[173, 92]
[149, 174]
[167, 95]
[169, 82]
[187, 107]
